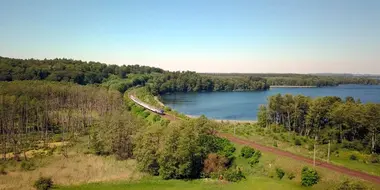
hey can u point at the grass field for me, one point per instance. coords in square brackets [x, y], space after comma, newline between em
[158, 184]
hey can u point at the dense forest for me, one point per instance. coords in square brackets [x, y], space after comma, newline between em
[66, 70]
[349, 122]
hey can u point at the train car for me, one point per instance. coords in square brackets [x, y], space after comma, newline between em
[161, 112]
[146, 106]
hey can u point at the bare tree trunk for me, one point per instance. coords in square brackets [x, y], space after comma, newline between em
[373, 141]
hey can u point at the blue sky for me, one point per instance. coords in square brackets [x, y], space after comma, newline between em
[296, 36]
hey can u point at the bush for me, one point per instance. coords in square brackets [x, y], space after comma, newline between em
[234, 175]
[247, 152]
[27, 165]
[2, 170]
[214, 164]
[349, 185]
[275, 144]
[43, 183]
[255, 158]
[354, 145]
[297, 142]
[309, 177]
[374, 159]
[353, 157]
[291, 176]
[167, 109]
[96, 144]
[145, 114]
[280, 173]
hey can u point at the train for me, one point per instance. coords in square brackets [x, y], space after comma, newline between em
[146, 106]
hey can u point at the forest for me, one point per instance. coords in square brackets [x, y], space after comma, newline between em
[66, 70]
[347, 122]
[37, 113]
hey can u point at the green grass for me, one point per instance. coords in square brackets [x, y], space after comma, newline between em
[286, 142]
[158, 184]
[343, 159]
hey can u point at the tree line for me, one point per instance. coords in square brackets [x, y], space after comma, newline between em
[170, 82]
[66, 70]
[348, 121]
[283, 79]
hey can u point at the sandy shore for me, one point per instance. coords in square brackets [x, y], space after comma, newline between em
[225, 120]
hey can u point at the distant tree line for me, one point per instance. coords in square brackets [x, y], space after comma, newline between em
[320, 81]
[348, 121]
[66, 70]
[170, 82]
[283, 79]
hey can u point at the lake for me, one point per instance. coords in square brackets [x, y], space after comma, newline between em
[244, 105]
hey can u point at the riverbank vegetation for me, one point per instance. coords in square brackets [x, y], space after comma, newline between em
[348, 122]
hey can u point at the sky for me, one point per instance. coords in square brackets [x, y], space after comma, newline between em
[229, 36]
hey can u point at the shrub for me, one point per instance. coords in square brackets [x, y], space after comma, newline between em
[27, 165]
[280, 173]
[353, 157]
[214, 164]
[247, 152]
[57, 138]
[234, 175]
[156, 118]
[145, 114]
[374, 159]
[43, 183]
[309, 177]
[297, 142]
[310, 146]
[255, 158]
[96, 144]
[167, 109]
[291, 176]
[351, 185]
[2, 170]
[275, 144]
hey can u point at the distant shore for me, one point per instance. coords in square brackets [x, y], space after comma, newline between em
[293, 86]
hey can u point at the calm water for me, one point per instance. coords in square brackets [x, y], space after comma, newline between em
[244, 105]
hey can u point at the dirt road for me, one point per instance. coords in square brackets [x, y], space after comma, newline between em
[353, 173]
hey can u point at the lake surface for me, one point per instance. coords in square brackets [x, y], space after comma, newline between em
[244, 105]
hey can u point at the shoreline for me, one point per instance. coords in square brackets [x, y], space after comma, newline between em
[224, 120]
[287, 86]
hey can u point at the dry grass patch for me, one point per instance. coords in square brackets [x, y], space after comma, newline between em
[76, 169]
